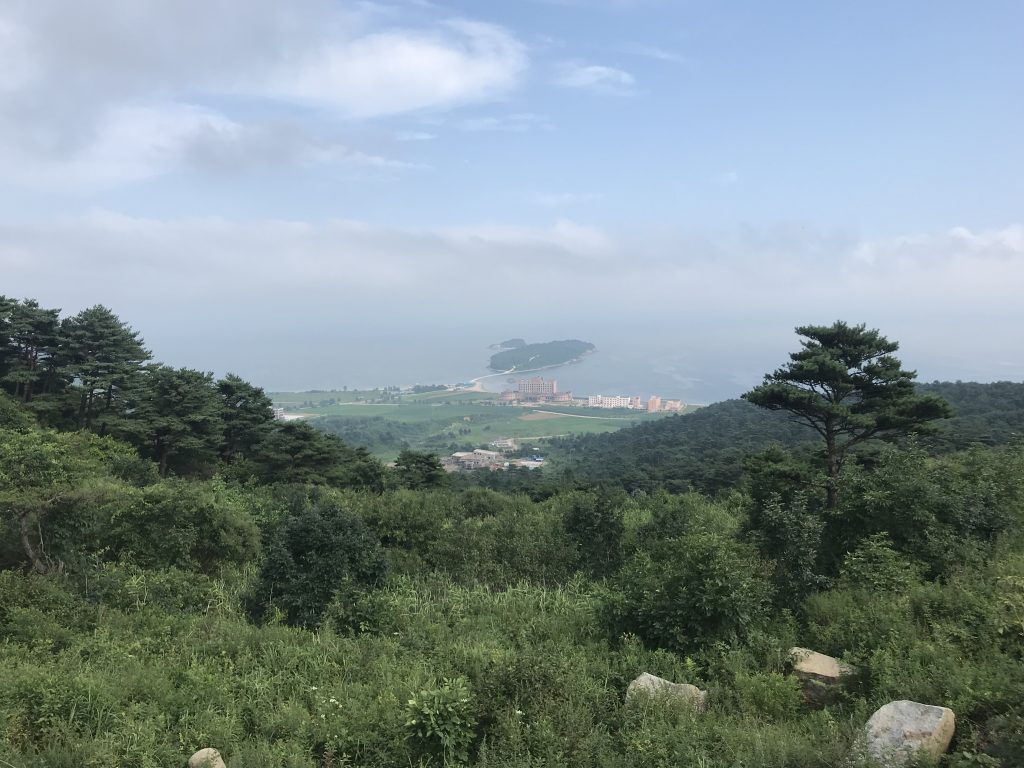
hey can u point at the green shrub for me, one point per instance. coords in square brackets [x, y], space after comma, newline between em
[314, 554]
[689, 592]
[441, 720]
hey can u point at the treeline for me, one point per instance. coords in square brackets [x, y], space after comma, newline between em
[91, 372]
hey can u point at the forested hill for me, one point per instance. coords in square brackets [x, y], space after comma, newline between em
[992, 414]
[704, 450]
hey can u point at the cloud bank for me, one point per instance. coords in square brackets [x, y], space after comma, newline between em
[120, 91]
[746, 289]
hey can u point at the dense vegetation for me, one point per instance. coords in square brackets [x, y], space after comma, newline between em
[542, 355]
[296, 609]
[704, 450]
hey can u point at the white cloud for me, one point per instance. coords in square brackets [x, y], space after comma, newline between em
[655, 52]
[118, 91]
[18, 67]
[574, 242]
[131, 143]
[594, 77]
[727, 179]
[951, 298]
[394, 72]
[517, 122]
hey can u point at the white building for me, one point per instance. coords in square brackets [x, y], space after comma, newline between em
[611, 401]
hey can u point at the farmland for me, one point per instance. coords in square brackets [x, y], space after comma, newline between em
[386, 421]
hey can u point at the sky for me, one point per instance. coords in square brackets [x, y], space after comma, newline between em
[290, 190]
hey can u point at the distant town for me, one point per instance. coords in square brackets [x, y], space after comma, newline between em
[500, 450]
[540, 390]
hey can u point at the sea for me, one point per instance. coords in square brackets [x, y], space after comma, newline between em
[622, 364]
[699, 364]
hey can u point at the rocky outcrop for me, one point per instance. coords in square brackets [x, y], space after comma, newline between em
[206, 758]
[820, 676]
[904, 731]
[651, 685]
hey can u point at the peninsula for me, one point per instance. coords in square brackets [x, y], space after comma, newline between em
[542, 355]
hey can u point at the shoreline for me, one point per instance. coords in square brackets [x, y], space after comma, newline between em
[478, 387]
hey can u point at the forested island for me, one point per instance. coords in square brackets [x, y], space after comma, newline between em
[524, 357]
[179, 570]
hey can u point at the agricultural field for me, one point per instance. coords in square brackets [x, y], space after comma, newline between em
[385, 422]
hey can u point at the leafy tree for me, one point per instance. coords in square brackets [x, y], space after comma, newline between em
[790, 535]
[319, 550]
[847, 386]
[173, 416]
[100, 355]
[942, 511]
[37, 468]
[416, 469]
[246, 413]
[29, 337]
[295, 452]
[12, 416]
[594, 524]
[686, 593]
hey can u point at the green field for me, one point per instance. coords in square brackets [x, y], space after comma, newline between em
[443, 421]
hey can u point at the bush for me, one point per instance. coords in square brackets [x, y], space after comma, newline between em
[172, 524]
[689, 592]
[594, 525]
[442, 721]
[317, 551]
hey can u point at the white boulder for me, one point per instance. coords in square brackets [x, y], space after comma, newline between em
[651, 685]
[904, 731]
[820, 675]
[206, 758]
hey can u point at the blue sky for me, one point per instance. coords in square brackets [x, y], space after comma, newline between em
[638, 164]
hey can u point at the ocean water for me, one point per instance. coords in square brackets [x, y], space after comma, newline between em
[619, 366]
[698, 360]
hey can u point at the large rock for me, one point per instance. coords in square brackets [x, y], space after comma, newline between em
[651, 685]
[820, 675]
[904, 731]
[206, 758]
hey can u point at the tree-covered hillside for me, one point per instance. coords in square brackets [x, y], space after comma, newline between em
[704, 450]
[272, 593]
[992, 414]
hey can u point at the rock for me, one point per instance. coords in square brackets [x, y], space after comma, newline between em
[206, 758]
[650, 685]
[820, 675]
[904, 731]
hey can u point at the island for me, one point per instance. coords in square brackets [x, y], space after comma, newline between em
[543, 355]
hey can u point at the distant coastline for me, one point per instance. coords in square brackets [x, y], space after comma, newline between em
[477, 386]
